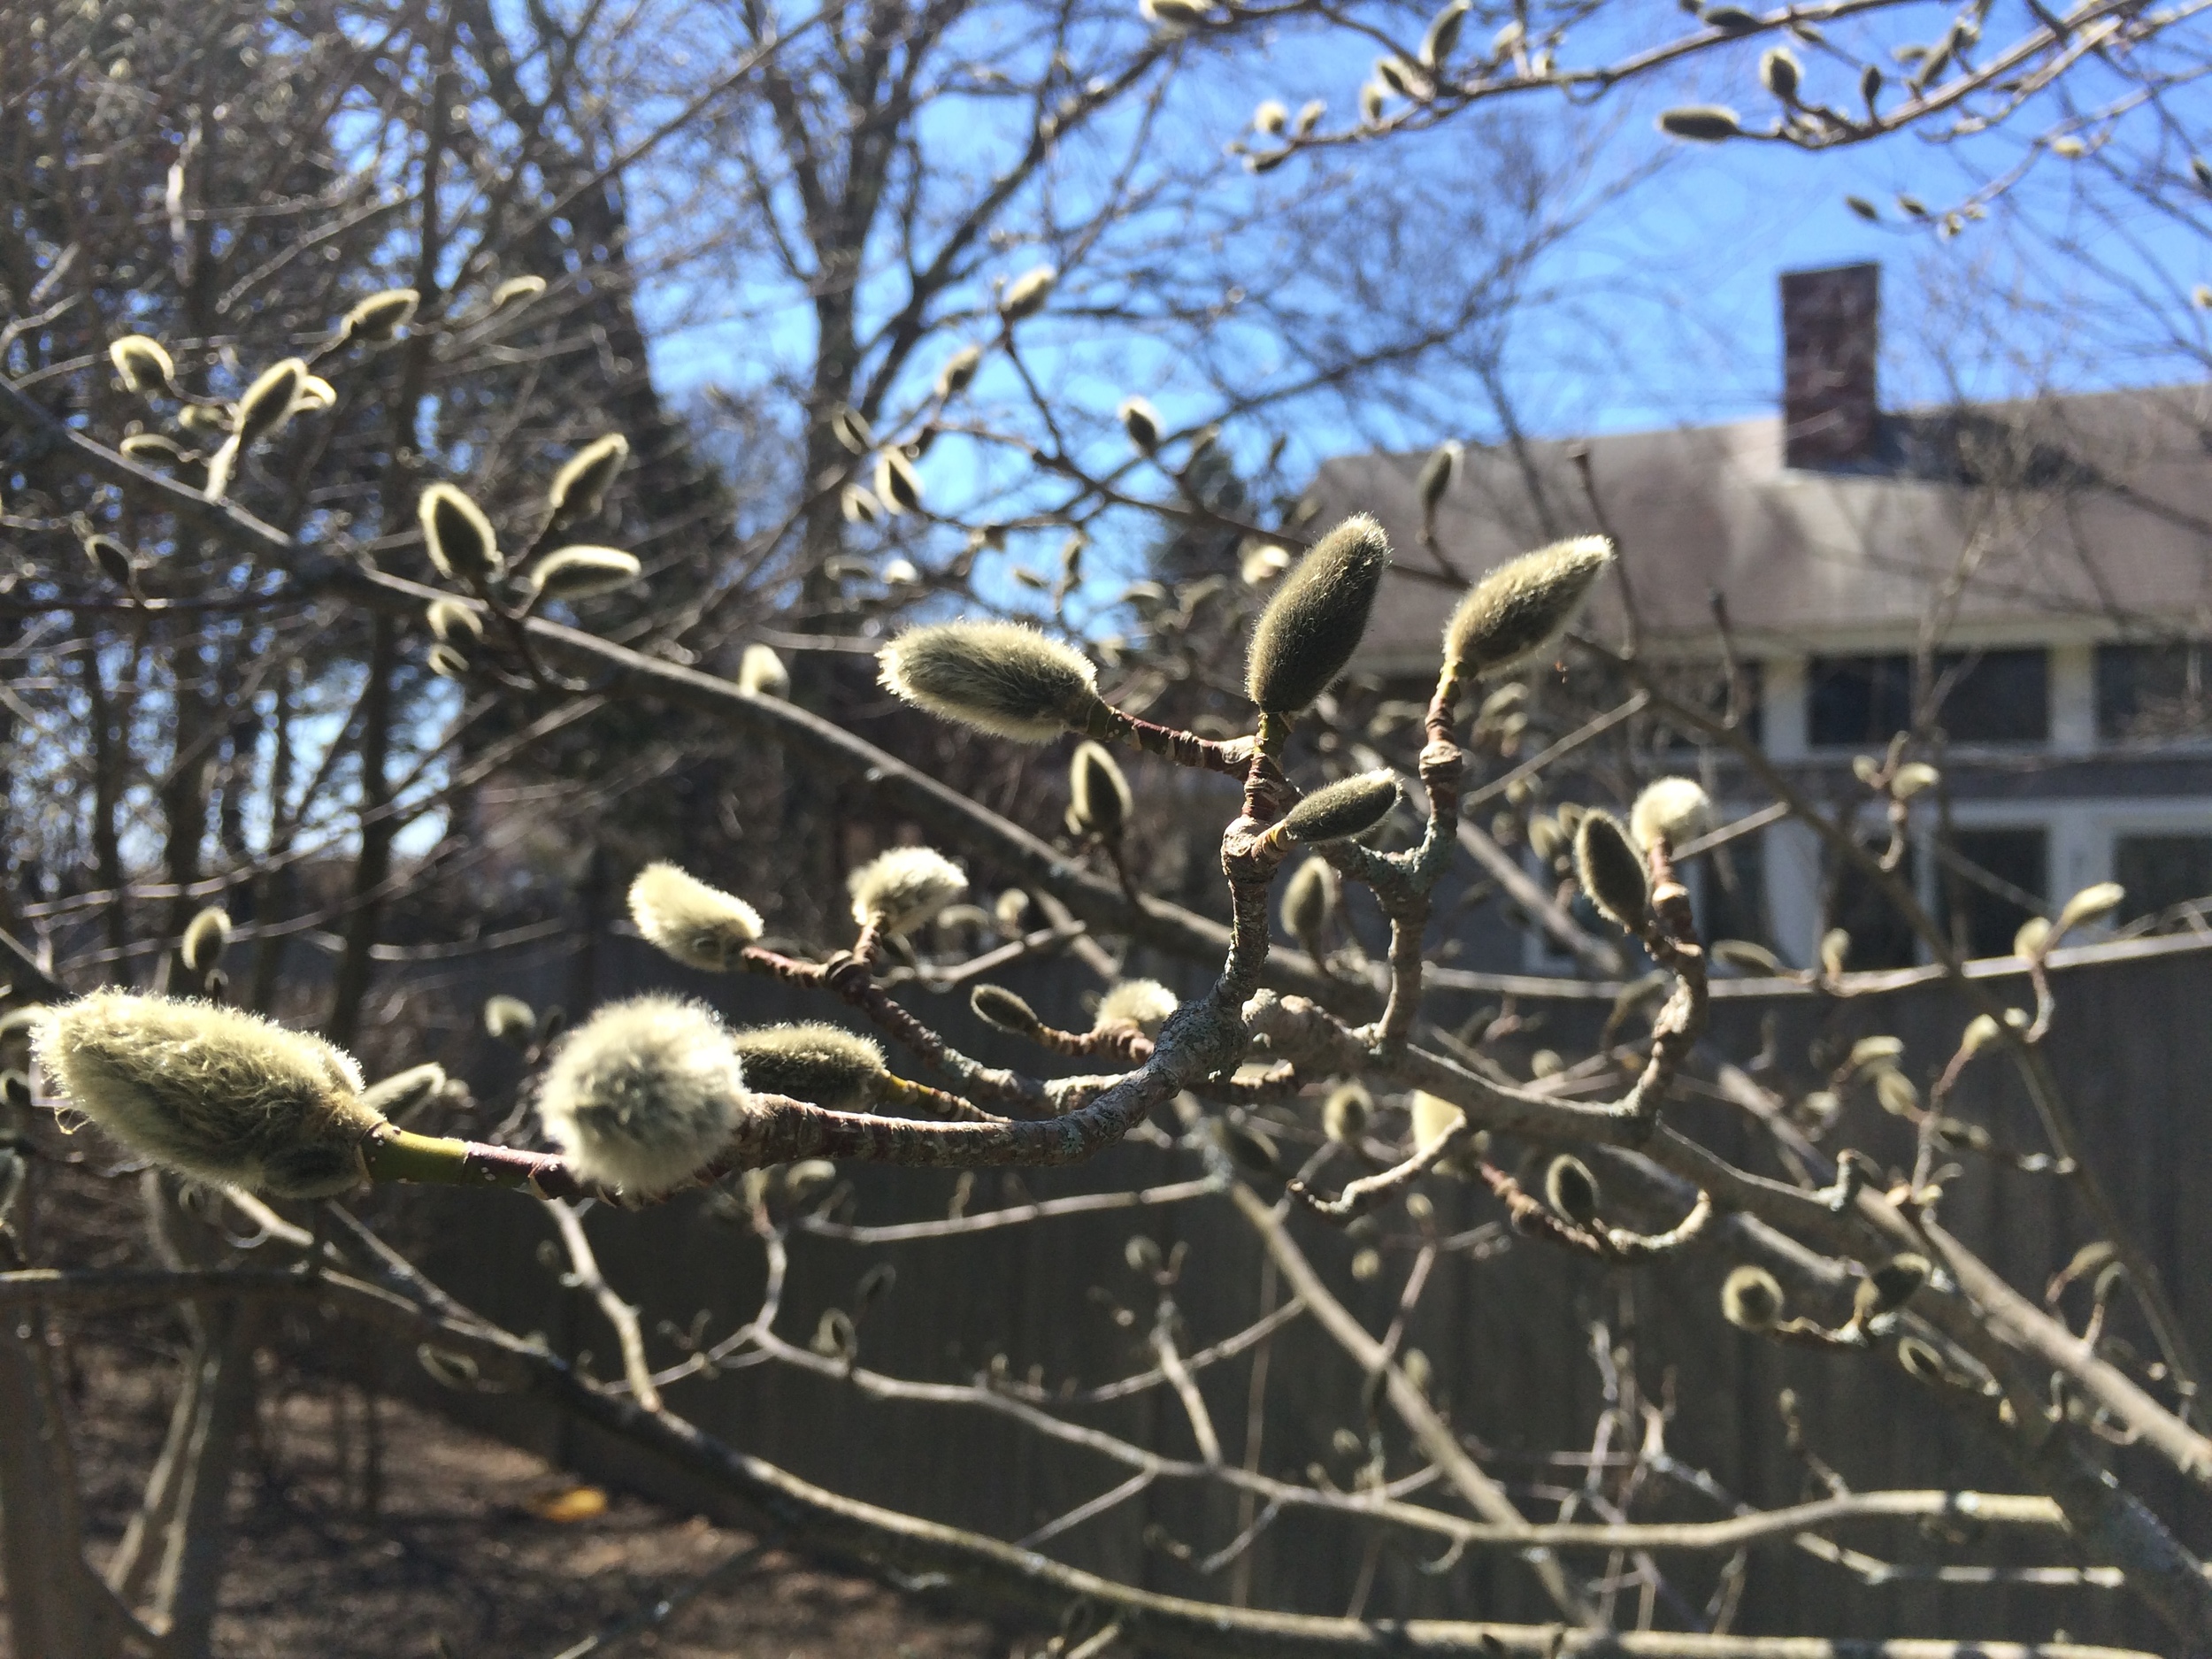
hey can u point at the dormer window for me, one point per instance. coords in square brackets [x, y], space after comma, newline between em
[1994, 696]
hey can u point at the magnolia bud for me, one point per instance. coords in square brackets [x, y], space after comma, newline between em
[825, 1064]
[1026, 295]
[1751, 1298]
[143, 363]
[1314, 622]
[700, 926]
[1099, 802]
[206, 939]
[450, 619]
[1337, 812]
[457, 536]
[644, 1094]
[897, 483]
[900, 890]
[1670, 810]
[1144, 1004]
[1142, 422]
[1611, 871]
[1310, 898]
[761, 672]
[1515, 615]
[381, 316]
[582, 573]
[1705, 123]
[1344, 1115]
[995, 1005]
[959, 371]
[580, 489]
[1000, 677]
[1571, 1190]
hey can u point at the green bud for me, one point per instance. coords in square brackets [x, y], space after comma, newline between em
[1000, 677]
[1099, 802]
[1704, 123]
[1612, 871]
[457, 536]
[1515, 615]
[1314, 622]
[824, 1064]
[1751, 1298]
[1310, 898]
[995, 1005]
[1337, 812]
[582, 573]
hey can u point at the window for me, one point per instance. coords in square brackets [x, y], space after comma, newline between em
[1731, 890]
[2160, 871]
[1880, 938]
[1992, 880]
[2146, 691]
[1985, 697]
[1857, 702]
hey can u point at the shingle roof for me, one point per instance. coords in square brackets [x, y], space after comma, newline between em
[2079, 517]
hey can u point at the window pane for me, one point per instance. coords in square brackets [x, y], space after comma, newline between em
[1857, 701]
[2150, 691]
[1733, 895]
[1988, 888]
[2160, 871]
[1880, 938]
[1995, 696]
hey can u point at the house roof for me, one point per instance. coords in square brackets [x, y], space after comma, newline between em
[2079, 517]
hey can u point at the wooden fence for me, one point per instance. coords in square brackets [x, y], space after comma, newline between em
[1511, 1337]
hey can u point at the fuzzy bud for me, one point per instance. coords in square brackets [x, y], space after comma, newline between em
[899, 891]
[1912, 778]
[457, 536]
[959, 371]
[1272, 117]
[510, 1020]
[2033, 937]
[1437, 473]
[1337, 812]
[1310, 898]
[898, 487]
[1026, 295]
[1442, 38]
[402, 1091]
[452, 620]
[1099, 798]
[1144, 1004]
[144, 364]
[1780, 72]
[381, 316]
[699, 925]
[824, 1064]
[1751, 1298]
[206, 939]
[1433, 1118]
[1142, 422]
[2090, 904]
[1675, 811]
[215, 1093]
[644, 1094]
[1313, 624]
[268, 401]
[1571, 1190]
[1611, 871]
[995, 1005]
[580, 488]
[999, 677]
[1890, 1286]
[1515, 615]
[517, 291]
[582, 572]
[1344, 1115]
[761, 673]
[1703, 123]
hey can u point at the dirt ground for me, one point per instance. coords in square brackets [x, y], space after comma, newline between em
[447, 1546]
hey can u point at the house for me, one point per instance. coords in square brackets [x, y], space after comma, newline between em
[2033, 578]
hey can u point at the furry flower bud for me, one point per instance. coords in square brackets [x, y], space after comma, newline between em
[268, 401]
[1437, 473]
[1571, 1190]
[143, 364]
[1890, 1286]
[643, 1095]
[1751, 1298]
[1344, 1115]
[995, 1005]
[1026, 294]
[580, 488]
[1313, 624]
[1611, 871]
[1142, 422]
[999, 677]
[1099, 799]
[1515, 615]
[824, 1064]
[762, 673]
[206, 938]
[1339, 811]
[1144, 1004]
[1310, 898]
[899, 891]
[459, 538]
[215, 1093]
[1703, 123]
[1672, 809]
[699, 925]
[450, 619]
[898, 485]
[510, 1020]
[959, 371]
[381, 316]
[582, 573]
[1442, 38]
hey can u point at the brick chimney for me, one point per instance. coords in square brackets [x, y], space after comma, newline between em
[1830, 337]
